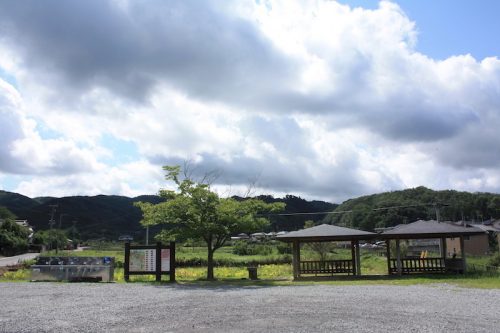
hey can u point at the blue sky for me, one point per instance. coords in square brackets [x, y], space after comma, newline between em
[451, 27]
[7, 77]
[316, 99]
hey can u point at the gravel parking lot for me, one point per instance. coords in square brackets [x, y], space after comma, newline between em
[64, 307]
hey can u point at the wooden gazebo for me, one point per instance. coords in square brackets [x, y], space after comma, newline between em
[326, 233]
[427, 230]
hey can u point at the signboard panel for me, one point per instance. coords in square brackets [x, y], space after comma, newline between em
[165, 260]
[142, 260]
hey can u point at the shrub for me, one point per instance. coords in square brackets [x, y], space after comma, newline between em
[241, 248]
[202, 262]
[322, 249]
[53, 238]
[263, 250]
[284, 248]
[244, 248]
[495, 261]
[13, 238]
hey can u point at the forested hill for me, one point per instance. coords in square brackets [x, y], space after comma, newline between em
[83, 217]
[105, 216]
[108, 217]
[418, 203]
[295, 205]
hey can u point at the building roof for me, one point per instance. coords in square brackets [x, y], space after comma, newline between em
[326, 232]
[496, 224]
[485, 227]
[429, 229]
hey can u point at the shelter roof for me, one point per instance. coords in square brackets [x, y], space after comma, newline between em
[429, 229]
[326, 232]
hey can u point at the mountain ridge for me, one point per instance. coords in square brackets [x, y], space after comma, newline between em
[388, 209]
[109, 216]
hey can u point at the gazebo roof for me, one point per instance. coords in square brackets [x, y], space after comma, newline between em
[326, 232]
[429, 229]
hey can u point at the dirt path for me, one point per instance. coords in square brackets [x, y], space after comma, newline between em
[9, 261]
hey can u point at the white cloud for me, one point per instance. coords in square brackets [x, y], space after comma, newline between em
[314, 98]
[24, 151]
[130, 179]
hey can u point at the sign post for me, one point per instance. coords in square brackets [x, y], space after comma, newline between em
[155, 260]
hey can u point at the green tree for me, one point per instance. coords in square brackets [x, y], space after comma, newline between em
[13, 237]
[308, 224]
[52, 239]
[6, 214]
[494, 207]
[321, 248]
[194, 211]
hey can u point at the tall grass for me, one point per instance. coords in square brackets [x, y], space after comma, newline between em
[266, 272]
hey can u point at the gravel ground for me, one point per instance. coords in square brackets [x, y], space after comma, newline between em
[64, 307]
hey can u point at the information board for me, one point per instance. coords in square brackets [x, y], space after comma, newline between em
[149, 259]
[142, 260]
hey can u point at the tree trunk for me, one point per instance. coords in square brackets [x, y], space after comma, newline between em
[210, 263]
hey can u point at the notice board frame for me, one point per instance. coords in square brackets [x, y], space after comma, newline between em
[157, 272]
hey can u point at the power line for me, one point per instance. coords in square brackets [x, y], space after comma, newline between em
[436, 205]
[306, 213]
[408, 206]
[395, 207]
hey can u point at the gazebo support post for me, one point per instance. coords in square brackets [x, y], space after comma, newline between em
[398, 258]
[388, 248]
[462, 251]
[353, 257]
[296, 259]
[358, 260]
[444, 250]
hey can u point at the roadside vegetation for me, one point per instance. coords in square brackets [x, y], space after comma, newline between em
[13, 237]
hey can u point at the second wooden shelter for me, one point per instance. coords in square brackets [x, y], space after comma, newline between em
[427, 230]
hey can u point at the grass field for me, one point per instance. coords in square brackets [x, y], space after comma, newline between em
[373, 268]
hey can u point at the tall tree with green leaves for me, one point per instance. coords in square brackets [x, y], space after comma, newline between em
[321, 248]
[194, 211]
[53, 239]
[13, 237]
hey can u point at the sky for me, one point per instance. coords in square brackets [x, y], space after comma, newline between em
[326, 100]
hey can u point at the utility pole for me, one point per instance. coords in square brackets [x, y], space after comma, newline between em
[436, 207]
[52, 213]
[60, 219]
[147, 235]
[73, 233]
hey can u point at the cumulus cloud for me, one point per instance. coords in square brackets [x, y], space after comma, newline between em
[309, 97]
[130, 179]
[129, 48]
[23, 151]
